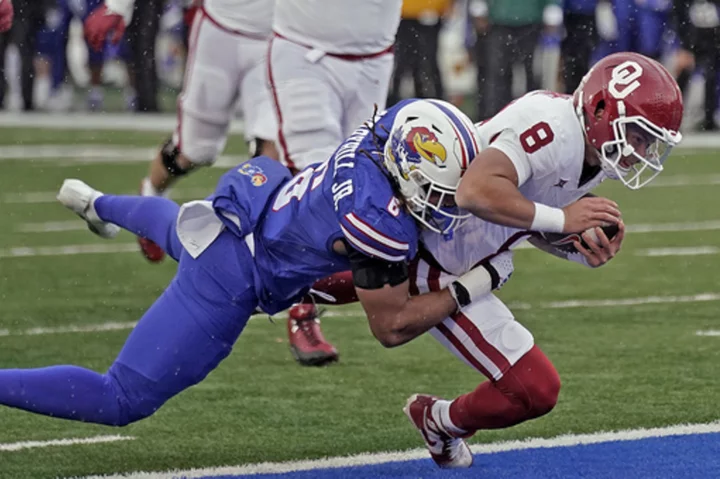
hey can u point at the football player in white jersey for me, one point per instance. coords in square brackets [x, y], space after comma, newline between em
[540, 156]
[329, 65]
[226, 61]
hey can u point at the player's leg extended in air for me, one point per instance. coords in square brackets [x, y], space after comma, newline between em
[221, 66]
[184, 335]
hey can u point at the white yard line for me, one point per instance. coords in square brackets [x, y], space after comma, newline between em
[40, 197]
[709, 332]
[710, 225]
[684, 180]
[679, 251]
[51, 226]
[164, 123]
[567, 440]
[19, 446]
[599, 303]
[86, 328]
[94, 154]
[69, 250]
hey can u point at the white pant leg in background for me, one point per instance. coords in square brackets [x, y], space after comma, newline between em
[322, 98]
[369, 88]
[222, 66]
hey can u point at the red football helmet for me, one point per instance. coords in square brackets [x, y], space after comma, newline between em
[630, 90]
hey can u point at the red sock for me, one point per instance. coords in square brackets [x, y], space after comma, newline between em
[527, 390]
[340, 286]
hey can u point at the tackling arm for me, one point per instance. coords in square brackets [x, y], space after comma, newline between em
[395, 318]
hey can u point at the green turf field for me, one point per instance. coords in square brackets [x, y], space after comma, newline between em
[622, 366]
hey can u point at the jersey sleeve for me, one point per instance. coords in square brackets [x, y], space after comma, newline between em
[375, 240]
[509, 143]
[533, 132]
[372, 220]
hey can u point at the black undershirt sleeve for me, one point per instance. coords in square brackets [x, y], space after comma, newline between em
[374, 273]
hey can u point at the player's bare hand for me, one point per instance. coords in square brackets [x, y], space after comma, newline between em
[600, 249]
[589, 212]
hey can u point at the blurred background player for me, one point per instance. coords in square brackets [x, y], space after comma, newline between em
[53, 44]
[513, 29]
[416, 50]
[142, 22]
[329, 66]
[26, 18]
[585, 22]
[698, 27]
[226, 62]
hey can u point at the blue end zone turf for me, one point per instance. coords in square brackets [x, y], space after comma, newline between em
[676, 457]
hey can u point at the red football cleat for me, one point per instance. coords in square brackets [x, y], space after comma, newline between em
[307, 343]
[148, 248]
[151, 250]
[447, 451]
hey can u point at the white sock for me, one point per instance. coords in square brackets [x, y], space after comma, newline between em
[441, 413]
[147, 189]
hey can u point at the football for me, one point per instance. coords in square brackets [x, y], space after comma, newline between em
[564, 241]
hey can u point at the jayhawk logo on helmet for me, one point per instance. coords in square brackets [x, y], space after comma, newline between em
[417, 145]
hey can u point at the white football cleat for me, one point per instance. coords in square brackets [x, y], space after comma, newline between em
[447, 451]
[80, 198]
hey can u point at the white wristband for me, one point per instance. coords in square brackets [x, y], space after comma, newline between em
[548, 219]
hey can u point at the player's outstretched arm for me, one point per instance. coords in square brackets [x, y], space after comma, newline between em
[489, 190]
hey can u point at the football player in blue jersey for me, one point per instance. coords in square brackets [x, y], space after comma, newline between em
[260, 241]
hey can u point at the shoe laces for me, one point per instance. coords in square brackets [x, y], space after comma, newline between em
[306, 326]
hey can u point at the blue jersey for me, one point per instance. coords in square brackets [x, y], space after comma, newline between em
[350, 198]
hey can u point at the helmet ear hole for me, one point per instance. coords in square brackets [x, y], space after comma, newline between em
[599, 110]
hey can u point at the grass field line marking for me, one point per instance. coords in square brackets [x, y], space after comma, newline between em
[674, 227]
[566, 440]
[684, 180]
[69, 250]
[95, 154]
[596, 303]
[679, 251]
[51, 226]
[42, 197]
[709, 332]
[80, 328]
[358, 313]
[157, 122]
[19, 446]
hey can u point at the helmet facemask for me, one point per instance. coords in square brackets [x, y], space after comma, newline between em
[620, 160]
[433, 204]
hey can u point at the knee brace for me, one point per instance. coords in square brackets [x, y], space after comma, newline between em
[169, 154]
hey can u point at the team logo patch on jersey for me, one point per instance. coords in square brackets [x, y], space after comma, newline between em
[258, 179]
[419, 144]
[256, 174]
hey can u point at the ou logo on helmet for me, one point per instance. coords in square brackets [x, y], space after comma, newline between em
[624, 79]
